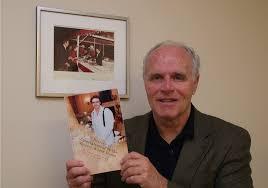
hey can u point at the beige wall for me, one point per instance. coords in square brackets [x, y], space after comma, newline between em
[230, 36]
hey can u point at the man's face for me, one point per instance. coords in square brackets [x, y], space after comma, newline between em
[169, 82]
[96, 103]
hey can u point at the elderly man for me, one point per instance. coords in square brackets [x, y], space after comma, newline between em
[175, 145]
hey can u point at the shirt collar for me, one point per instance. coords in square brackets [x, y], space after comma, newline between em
[186, 133]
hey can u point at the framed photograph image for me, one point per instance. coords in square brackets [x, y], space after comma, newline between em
[80, 52]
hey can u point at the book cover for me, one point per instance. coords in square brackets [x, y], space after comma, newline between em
[97, 130]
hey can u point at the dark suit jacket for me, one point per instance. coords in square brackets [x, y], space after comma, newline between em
[217, 157]
[60, 58]
[99, 58]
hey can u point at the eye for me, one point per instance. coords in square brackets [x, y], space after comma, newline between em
[179, 77]
[155, 77]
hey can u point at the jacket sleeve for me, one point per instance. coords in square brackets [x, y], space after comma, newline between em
[235, 170]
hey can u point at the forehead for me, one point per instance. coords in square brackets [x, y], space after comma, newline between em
[95, 99]
[172, 55]
[170, 52]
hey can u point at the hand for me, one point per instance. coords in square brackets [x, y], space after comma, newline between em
[137, 169]
[78, 176]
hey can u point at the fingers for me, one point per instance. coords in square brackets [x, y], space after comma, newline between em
[130, 163]
[138, 179]
[75, 168]
[77, 171]
[134, 168]
[77, 174]
[137, 169]
[131, 155]
[132, 171]
[80, 181]
[133, 159]
[73, 163]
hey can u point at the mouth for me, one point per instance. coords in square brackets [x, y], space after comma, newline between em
[167, 100]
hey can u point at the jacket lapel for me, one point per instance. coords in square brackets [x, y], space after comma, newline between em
[193, 151]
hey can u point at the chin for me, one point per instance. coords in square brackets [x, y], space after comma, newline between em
[167, 115]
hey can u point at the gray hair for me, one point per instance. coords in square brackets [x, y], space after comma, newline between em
[189, 50]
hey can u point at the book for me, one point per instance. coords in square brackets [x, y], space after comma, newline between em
[97, 130]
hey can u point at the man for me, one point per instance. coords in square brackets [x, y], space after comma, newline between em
[61, 57]
[175, 145]
[72, 59]
[91, 52]
[99, 57]
[102, 121]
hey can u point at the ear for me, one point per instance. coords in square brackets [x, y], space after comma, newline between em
[196, 81]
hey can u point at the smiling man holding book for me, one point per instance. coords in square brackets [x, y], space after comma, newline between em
[174, 145]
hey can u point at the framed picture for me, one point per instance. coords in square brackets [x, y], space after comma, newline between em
[80, 53]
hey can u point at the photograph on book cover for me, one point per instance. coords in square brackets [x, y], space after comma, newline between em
[79, 52]
[97, 129]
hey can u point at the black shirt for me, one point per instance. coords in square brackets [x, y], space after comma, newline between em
[162, 155]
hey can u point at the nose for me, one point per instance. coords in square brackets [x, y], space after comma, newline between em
[167, 85]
